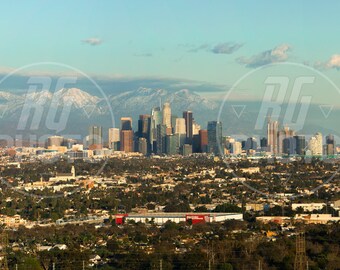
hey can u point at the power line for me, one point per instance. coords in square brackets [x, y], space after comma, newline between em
[300, 255]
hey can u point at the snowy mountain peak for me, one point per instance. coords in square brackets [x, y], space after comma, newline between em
[77, 96]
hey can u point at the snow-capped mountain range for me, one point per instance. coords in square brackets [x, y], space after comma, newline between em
[87, 109]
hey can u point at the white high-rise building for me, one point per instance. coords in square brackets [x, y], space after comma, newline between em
[114, 136]
[180, 126]
[167, 115]
[315, 144]
[195, 128]
[236, 148]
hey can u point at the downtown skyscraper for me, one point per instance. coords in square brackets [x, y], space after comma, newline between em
[214, 136]
[187, 115]
[272, 135]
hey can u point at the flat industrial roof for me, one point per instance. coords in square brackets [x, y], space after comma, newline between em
[179, 214]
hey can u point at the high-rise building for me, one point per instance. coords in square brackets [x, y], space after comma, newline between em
[284, 133]
[251, 144]
[143, 125]
[161, 139]
[114, 138]
[272, 135]
[264, 144]
[181, 139]
[142, 146]
[300, 145]
[187, 115]
[186, 149]
[172, 144]
[126, 141]
[195, 128]
[95, 138]
[126, 123]
[180, 126]
[156, 119]
[167, 115]
[227, 144]
[315, 145]
[196, 143]
[55, 141]
[330, 145]
[214, 136]
[289, 146]
[173, 123]
[236, 148]
[203, 137]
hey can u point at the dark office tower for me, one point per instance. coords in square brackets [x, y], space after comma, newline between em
[203, 135]
[300, 145]
[264, 144]
[284, 133]
[214, 136]
[142, 146]
[172, 144]
[289, 146]
[330, 145]
[126, 141]
[243, 144]
[143, 125]
[251, 144]
[161, 139]
[187, 115]
[126, 123]
[196, 143]
[95, 136]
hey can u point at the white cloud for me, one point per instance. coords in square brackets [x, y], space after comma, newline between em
[93, 41]
[334, 61]
[275, 55]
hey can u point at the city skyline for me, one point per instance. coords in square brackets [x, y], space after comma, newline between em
[166, 133]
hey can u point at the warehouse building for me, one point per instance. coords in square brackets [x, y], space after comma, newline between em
[161, 218]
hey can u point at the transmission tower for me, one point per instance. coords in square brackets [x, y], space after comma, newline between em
[3, 251]
[300, 255]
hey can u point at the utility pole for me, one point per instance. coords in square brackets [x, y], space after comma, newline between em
[3, 251]
[160, 264]
[260, 265]
[300, 255]
[209, 264]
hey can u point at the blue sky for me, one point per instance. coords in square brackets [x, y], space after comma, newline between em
[211, 41]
